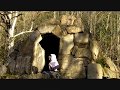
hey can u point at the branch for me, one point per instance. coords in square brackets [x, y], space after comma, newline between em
[22, 33]
[16, 16]
[5, 19]
[25, 31]
[31, 27]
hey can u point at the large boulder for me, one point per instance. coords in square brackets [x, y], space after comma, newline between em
[83, 53]
[22, 65]
[38, 55]
[76, 69]
[66, 44]
[73, 29]
[39, 59]
[94, 71]
[64, 61]
[18, 65]
[30, 56]
[75, 50]
[94, 47]
[81, 38]
[46, 29]
[26, 64]
[57, 31]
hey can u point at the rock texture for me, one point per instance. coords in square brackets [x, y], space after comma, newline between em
[94, 47]
[76, 69]
[67, 44]
[94, 71]
[73, 29]
[57, 31]
[67, 20]
[46, 29]
[30, 56]
[64, 61]
[81, 38]
[39, 59]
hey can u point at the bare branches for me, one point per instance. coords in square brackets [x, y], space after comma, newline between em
[5, 19]
[25, 31]
[22, 33]
[31, 27]
[16, 16]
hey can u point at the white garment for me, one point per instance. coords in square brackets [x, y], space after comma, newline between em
[53, 61]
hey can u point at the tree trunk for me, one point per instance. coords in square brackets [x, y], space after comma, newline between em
[11, 32]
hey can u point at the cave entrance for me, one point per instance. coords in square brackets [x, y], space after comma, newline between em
[50, 43]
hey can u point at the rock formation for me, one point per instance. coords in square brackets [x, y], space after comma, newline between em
[77, 52]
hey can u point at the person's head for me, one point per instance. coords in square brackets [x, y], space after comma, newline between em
[53, 57]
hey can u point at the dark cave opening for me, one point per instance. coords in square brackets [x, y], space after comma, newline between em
[50, 43]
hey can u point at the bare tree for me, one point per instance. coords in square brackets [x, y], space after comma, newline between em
[9, 18]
